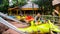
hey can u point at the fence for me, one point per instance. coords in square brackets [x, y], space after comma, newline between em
[54, 19]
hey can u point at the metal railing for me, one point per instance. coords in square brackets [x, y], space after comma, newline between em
[54, 19]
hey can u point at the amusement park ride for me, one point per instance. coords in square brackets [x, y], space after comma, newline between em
[42, 28]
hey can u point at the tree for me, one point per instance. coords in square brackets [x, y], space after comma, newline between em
[21, 2]
[45, 5]
[4, 5]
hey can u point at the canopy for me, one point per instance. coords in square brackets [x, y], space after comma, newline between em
[54, 2]
[29, 5]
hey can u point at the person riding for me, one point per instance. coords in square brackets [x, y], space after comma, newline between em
[56, 10]
[38, 18]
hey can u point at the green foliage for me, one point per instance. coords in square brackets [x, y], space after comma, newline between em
[42, 2]
[19, 2]
[22, 2]
[38, 2]
[4, 5]
[45, 4]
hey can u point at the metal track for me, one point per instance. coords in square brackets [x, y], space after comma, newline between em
[7, 17]
[11, 26]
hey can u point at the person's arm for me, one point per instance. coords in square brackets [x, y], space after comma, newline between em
[35, 18]
[57, 12]
[53, 13]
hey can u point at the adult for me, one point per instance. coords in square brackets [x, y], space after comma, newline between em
[38, 18]
[56, 10]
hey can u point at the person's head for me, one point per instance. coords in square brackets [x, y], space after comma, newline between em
[56, 7]
[38, 14]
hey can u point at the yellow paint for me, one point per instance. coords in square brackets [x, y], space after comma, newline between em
[43, 28]
[29, 8]
[18, 17]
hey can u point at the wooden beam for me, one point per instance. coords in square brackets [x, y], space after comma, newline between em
[29, 8]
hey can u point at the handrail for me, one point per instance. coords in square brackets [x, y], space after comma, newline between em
[52, 18]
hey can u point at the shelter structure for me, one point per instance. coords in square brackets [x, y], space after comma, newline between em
[31, 7]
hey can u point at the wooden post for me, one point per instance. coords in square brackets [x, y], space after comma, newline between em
[35, 12]
[24, 13]
[17, 11]
[10, 12]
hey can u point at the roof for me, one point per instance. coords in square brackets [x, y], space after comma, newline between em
[29, 5]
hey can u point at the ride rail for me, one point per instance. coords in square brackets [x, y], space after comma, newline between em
[11, 26]
[7, 17]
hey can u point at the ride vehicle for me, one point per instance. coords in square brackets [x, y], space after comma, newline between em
[42, 28]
